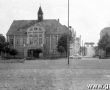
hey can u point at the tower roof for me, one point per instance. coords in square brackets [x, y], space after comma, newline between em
[40, 10]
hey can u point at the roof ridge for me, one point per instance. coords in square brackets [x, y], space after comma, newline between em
[25, 20]
[32, 19]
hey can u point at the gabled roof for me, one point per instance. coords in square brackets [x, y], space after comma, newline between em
[52, 26]
[17, 25]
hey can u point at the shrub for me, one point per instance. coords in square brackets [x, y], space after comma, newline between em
[13, 52]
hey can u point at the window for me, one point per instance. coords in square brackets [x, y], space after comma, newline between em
[11, 41]
[40, 35]
[25, 32]
[31, 42]
[35, 41]
[24, 41]
[56, 39]
[40, 29]
[17, 41]
[54, 51]
[35, 28]
[35, 35]
[30, 35]
[40, 41]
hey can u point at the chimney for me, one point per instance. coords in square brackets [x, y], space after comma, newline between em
[58, 20]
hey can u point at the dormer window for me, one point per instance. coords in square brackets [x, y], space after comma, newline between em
[35, 28]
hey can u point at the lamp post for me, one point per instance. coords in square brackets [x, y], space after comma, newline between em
[24, 50]
[68, 36]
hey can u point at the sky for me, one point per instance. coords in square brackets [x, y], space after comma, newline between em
[87, 17]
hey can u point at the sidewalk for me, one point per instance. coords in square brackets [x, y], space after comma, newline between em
[89, 58]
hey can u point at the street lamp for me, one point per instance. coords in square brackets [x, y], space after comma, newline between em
[68, 36]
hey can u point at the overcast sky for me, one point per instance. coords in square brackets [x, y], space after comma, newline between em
[87, 17]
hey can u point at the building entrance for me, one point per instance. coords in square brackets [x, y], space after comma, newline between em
[34, 53]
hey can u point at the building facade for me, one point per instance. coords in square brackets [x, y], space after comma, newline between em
[28, 35]
[75, 44]
[89, 49]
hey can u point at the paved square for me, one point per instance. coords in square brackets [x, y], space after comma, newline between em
[54, 74]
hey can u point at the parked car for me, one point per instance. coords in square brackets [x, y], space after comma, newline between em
[76, 56]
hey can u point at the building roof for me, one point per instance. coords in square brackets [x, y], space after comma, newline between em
[52, 26]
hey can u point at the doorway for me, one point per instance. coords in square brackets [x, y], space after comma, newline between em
[34, 53]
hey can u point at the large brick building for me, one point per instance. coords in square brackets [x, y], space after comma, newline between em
[28, 35]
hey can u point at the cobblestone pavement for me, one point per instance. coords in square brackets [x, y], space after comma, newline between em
[52, 75]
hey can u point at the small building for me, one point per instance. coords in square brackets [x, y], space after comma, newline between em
[89, 49]
[26, 36]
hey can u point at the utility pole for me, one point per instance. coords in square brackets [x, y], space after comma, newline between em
[68, 36]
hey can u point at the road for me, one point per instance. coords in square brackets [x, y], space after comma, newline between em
[54, 74]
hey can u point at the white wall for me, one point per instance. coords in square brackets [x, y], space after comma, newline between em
[90, 51]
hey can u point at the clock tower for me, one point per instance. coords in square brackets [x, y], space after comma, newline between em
[40, 14]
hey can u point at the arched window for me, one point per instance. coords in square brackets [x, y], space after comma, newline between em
[35, 28]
